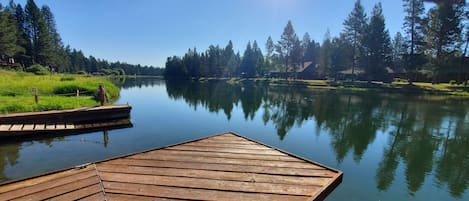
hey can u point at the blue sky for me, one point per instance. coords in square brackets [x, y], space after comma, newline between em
[148, 31]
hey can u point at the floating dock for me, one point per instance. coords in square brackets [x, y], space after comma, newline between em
[220, 167]
[65, 121]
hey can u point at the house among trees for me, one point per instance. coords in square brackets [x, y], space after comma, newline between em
[364, 50]
[306, 71]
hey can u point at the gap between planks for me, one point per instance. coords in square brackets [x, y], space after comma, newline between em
[224, 167]
[213, 174]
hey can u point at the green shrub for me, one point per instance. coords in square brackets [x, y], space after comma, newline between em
[67, 79]
[14, 108]
[69, 90]
[106, 71]
[46, 107]
[399, 80]
[16, 67]
[453, 82]
[37, 69]
[8, 93]
[82, 72]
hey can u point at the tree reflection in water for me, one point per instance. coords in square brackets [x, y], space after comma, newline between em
[425, 133]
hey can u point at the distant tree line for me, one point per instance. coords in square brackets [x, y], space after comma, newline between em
[29, 36]
[432, 47]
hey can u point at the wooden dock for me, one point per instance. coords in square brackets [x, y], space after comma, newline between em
[37, 130]
[65, 121]
[79, 115]
[220, 167]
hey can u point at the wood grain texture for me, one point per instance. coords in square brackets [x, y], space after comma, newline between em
[28, 127]
[193, 194]
[213, 174]
[223, 167]
[5, 127]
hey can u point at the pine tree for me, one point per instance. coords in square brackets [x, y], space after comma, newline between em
[214, 60]
[42, 48]
[464, 54]
[354, 28]
[23, 42]
[285, 45]
[443, 35]
[377, 46]
[296, 56]
[8, 46]
[229, 60]
[413, 27]
[341, 55]
[325, 55]
[56, 58]
[306, 45]
[310, 50]
[398, 52]
[269, 47]
[248, 63]
[258, 58]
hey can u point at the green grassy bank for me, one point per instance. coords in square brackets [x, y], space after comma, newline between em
[394, 87]
[55, 92]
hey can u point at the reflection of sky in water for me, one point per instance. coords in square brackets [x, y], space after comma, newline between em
[357, 133]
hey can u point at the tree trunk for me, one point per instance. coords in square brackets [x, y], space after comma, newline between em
[286, 68]
[462, 65]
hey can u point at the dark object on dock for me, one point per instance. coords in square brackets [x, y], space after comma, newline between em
[65, 121]
[221, 167]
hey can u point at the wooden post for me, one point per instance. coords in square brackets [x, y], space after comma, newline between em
[78, 92]
[102, 94]
[36, 96]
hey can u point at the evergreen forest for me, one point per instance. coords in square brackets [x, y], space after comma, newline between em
[30, 41]
[431, 47]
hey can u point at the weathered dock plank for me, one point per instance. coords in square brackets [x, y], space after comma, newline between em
[98, 197]
[216, 160]
[28, 127]
[70, 126]
[38, 127]
[16, 127]
[62, 122]
[19, 130]
[50, 126]
[211, 174]
[79, 115]
[5, 127]
[226, 150]
[60, 126]
[205, 169]
[122, 197]
[225, 167]
[193, 193]
[225, 155]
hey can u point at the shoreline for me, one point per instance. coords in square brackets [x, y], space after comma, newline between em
[357, 86]
[54, 92]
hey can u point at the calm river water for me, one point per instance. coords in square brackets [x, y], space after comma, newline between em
[389, 146]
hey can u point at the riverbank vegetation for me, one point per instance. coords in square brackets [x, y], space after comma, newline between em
[431, 48]
[29, 36]
[397, 86]
[58, 91]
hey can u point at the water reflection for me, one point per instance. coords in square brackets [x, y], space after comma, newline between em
[418, 145]
[9, 154]
[139, 82]
[425, 133]
[10, 148]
